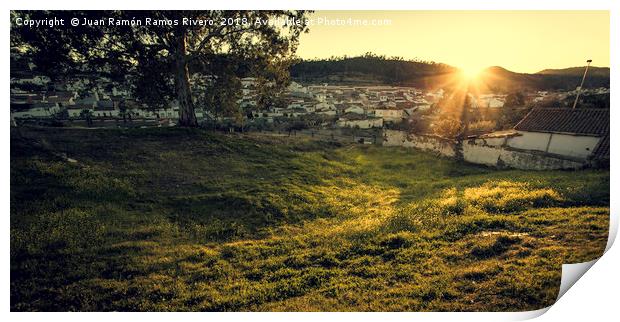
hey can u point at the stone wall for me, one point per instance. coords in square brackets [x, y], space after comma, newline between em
[505, 157]
[435, 144]
[491, 152]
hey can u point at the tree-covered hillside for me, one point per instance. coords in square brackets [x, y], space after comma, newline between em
[373, 69]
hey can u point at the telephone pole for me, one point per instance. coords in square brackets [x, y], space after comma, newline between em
[582, 80]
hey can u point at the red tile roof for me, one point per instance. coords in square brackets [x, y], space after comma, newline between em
[565, 120]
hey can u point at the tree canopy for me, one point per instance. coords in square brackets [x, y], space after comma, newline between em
[163, 60]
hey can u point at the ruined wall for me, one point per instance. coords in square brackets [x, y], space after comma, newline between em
[362, 124]
[505, 157]
[435, 144]
[493, 152]
[531, 161]
[480, 154]
[577, 146]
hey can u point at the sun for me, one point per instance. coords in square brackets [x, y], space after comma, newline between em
[470, 72]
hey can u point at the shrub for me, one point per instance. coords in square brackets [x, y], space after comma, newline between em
[447, 127]
[482, 126]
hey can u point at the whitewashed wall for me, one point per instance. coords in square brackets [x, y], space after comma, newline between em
[501, 157]
[496, 152]
[427, 143]
[480, 154]
[573, 146]
[362, 124]
[530, 141]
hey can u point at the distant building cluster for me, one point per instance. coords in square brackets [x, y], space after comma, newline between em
[80, 97]
[346, 106]
[340, 106]
[86, 97]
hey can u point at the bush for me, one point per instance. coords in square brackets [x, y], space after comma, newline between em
[480, 127]
[448, 127]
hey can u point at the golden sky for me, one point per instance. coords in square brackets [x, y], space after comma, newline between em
[521, 41]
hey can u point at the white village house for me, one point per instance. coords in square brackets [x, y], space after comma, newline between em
[75, 111]
[566, 132]
[490, 100]
[34, 110]
[389, 115]
[355, 108]
[545, 139]
[549, 137]
[352, 120]
[105, 109]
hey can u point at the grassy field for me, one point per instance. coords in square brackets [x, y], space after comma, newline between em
[174, 219]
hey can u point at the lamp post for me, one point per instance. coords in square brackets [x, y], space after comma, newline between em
[582, 80]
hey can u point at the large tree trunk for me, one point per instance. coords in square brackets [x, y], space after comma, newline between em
[187, 116]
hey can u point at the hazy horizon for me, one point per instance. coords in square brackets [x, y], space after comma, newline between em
[520, 41]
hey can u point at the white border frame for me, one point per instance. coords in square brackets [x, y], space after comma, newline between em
[594, 296]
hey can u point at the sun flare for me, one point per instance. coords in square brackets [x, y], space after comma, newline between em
[470, 72]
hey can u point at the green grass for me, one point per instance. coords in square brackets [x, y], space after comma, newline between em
[174, 219]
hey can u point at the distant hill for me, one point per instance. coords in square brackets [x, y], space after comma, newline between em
[577, 71]
[370, 69]
[502, 80]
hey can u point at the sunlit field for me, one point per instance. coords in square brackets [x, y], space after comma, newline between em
[179, 219]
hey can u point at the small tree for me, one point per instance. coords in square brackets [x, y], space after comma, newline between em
[448, 127]
[515, 99]
[513, 111]
[88, 116]
[417, 125]
[482, 126]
